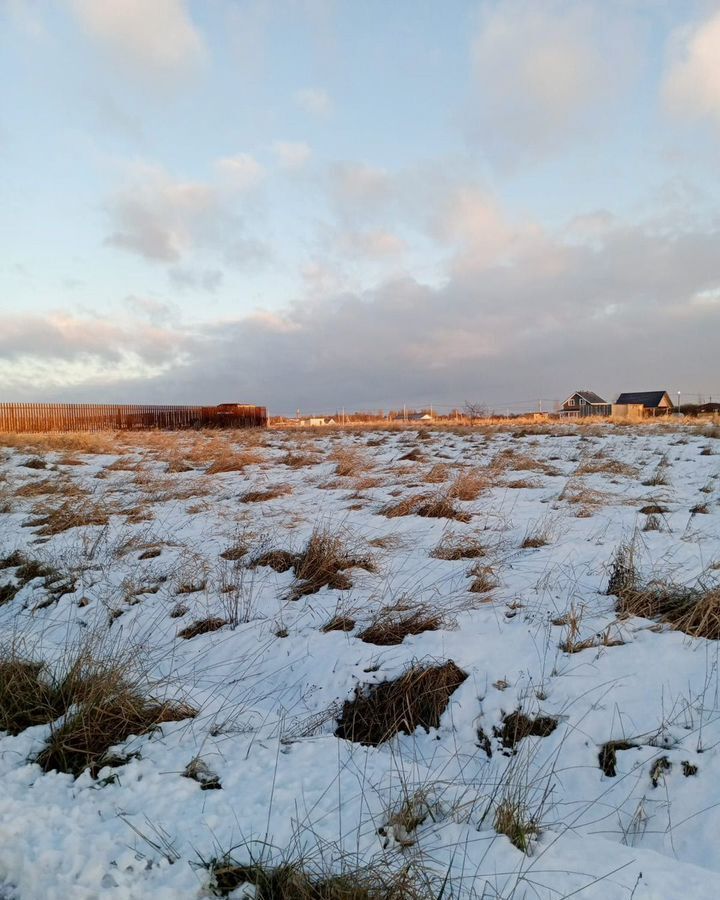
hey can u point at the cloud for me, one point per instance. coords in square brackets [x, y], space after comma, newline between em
[156, 38]
[203, 279]
[157, 217]
[291, 154]
[168, 220]
[617, 312]
[242, 172]
[692, 84]
[315, 101]
[544, 69]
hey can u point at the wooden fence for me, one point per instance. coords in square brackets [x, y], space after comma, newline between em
[36, 417]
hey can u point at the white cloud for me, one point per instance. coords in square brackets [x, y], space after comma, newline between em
[315, 101]
[242, 171]
[692, 85]
[156, 216]
[291, 154]
[156, 36]
[167, 220]
[543, 69]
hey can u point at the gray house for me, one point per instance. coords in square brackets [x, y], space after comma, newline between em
[582, 404]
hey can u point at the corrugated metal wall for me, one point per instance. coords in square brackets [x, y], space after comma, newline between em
[37, 417]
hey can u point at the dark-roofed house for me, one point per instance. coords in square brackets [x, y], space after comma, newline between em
[583, 404]
[642, 403]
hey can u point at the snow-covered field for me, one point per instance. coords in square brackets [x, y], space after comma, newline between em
[512, 586]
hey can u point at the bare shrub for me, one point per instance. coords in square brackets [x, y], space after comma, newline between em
[416, 699]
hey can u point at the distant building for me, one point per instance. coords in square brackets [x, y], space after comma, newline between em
[419, 417]
[583, 404]
[317, 421]
[638, 404]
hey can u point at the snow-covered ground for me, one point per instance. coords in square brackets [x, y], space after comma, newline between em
[270, 683]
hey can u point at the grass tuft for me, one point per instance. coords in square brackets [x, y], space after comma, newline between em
[416, 699]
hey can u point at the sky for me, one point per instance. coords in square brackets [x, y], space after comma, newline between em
[317, 204]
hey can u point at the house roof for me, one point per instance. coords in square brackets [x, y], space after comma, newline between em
[648, 399]
[588, 396]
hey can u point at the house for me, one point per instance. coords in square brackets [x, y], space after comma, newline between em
[418, 417]
[318, 421]
[582, 404]
[637, 404]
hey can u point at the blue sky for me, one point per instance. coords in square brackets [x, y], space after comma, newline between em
[315, 203]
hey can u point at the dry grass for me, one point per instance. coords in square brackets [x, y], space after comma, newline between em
[202, 626]
[539, 534]
[430, 506]
[437, 474]
[518, 725]
[295, 881]
[414, 700]
[92, 703]
[513, 819]
[468, 485]
[225, 458]
[54, 520]
[349, 462]
[606, 466]
[484, 579]
[694, 610]
[262, 494]
[394, 623]
[324, 560]
[27, 697]
[339, 623]
[458, 546]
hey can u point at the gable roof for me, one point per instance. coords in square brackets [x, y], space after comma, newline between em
[648, 399]
[589, 397]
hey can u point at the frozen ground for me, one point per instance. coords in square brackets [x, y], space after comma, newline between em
[269, 684]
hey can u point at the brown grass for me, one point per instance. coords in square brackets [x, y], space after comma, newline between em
[468, 485]
[202, 626]
[262, 494]
[27, 697]
[394, 623]
[414, 700]
[458, 546]
[518, 725]
[293, 881]
[349, 462]
[103, 704]
[338, 623]
[324, 561]
[512, 818]
[232, 461]
[694, 610]
[55, 520]
[430, 506]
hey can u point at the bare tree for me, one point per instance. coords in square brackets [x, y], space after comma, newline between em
[475, 411]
